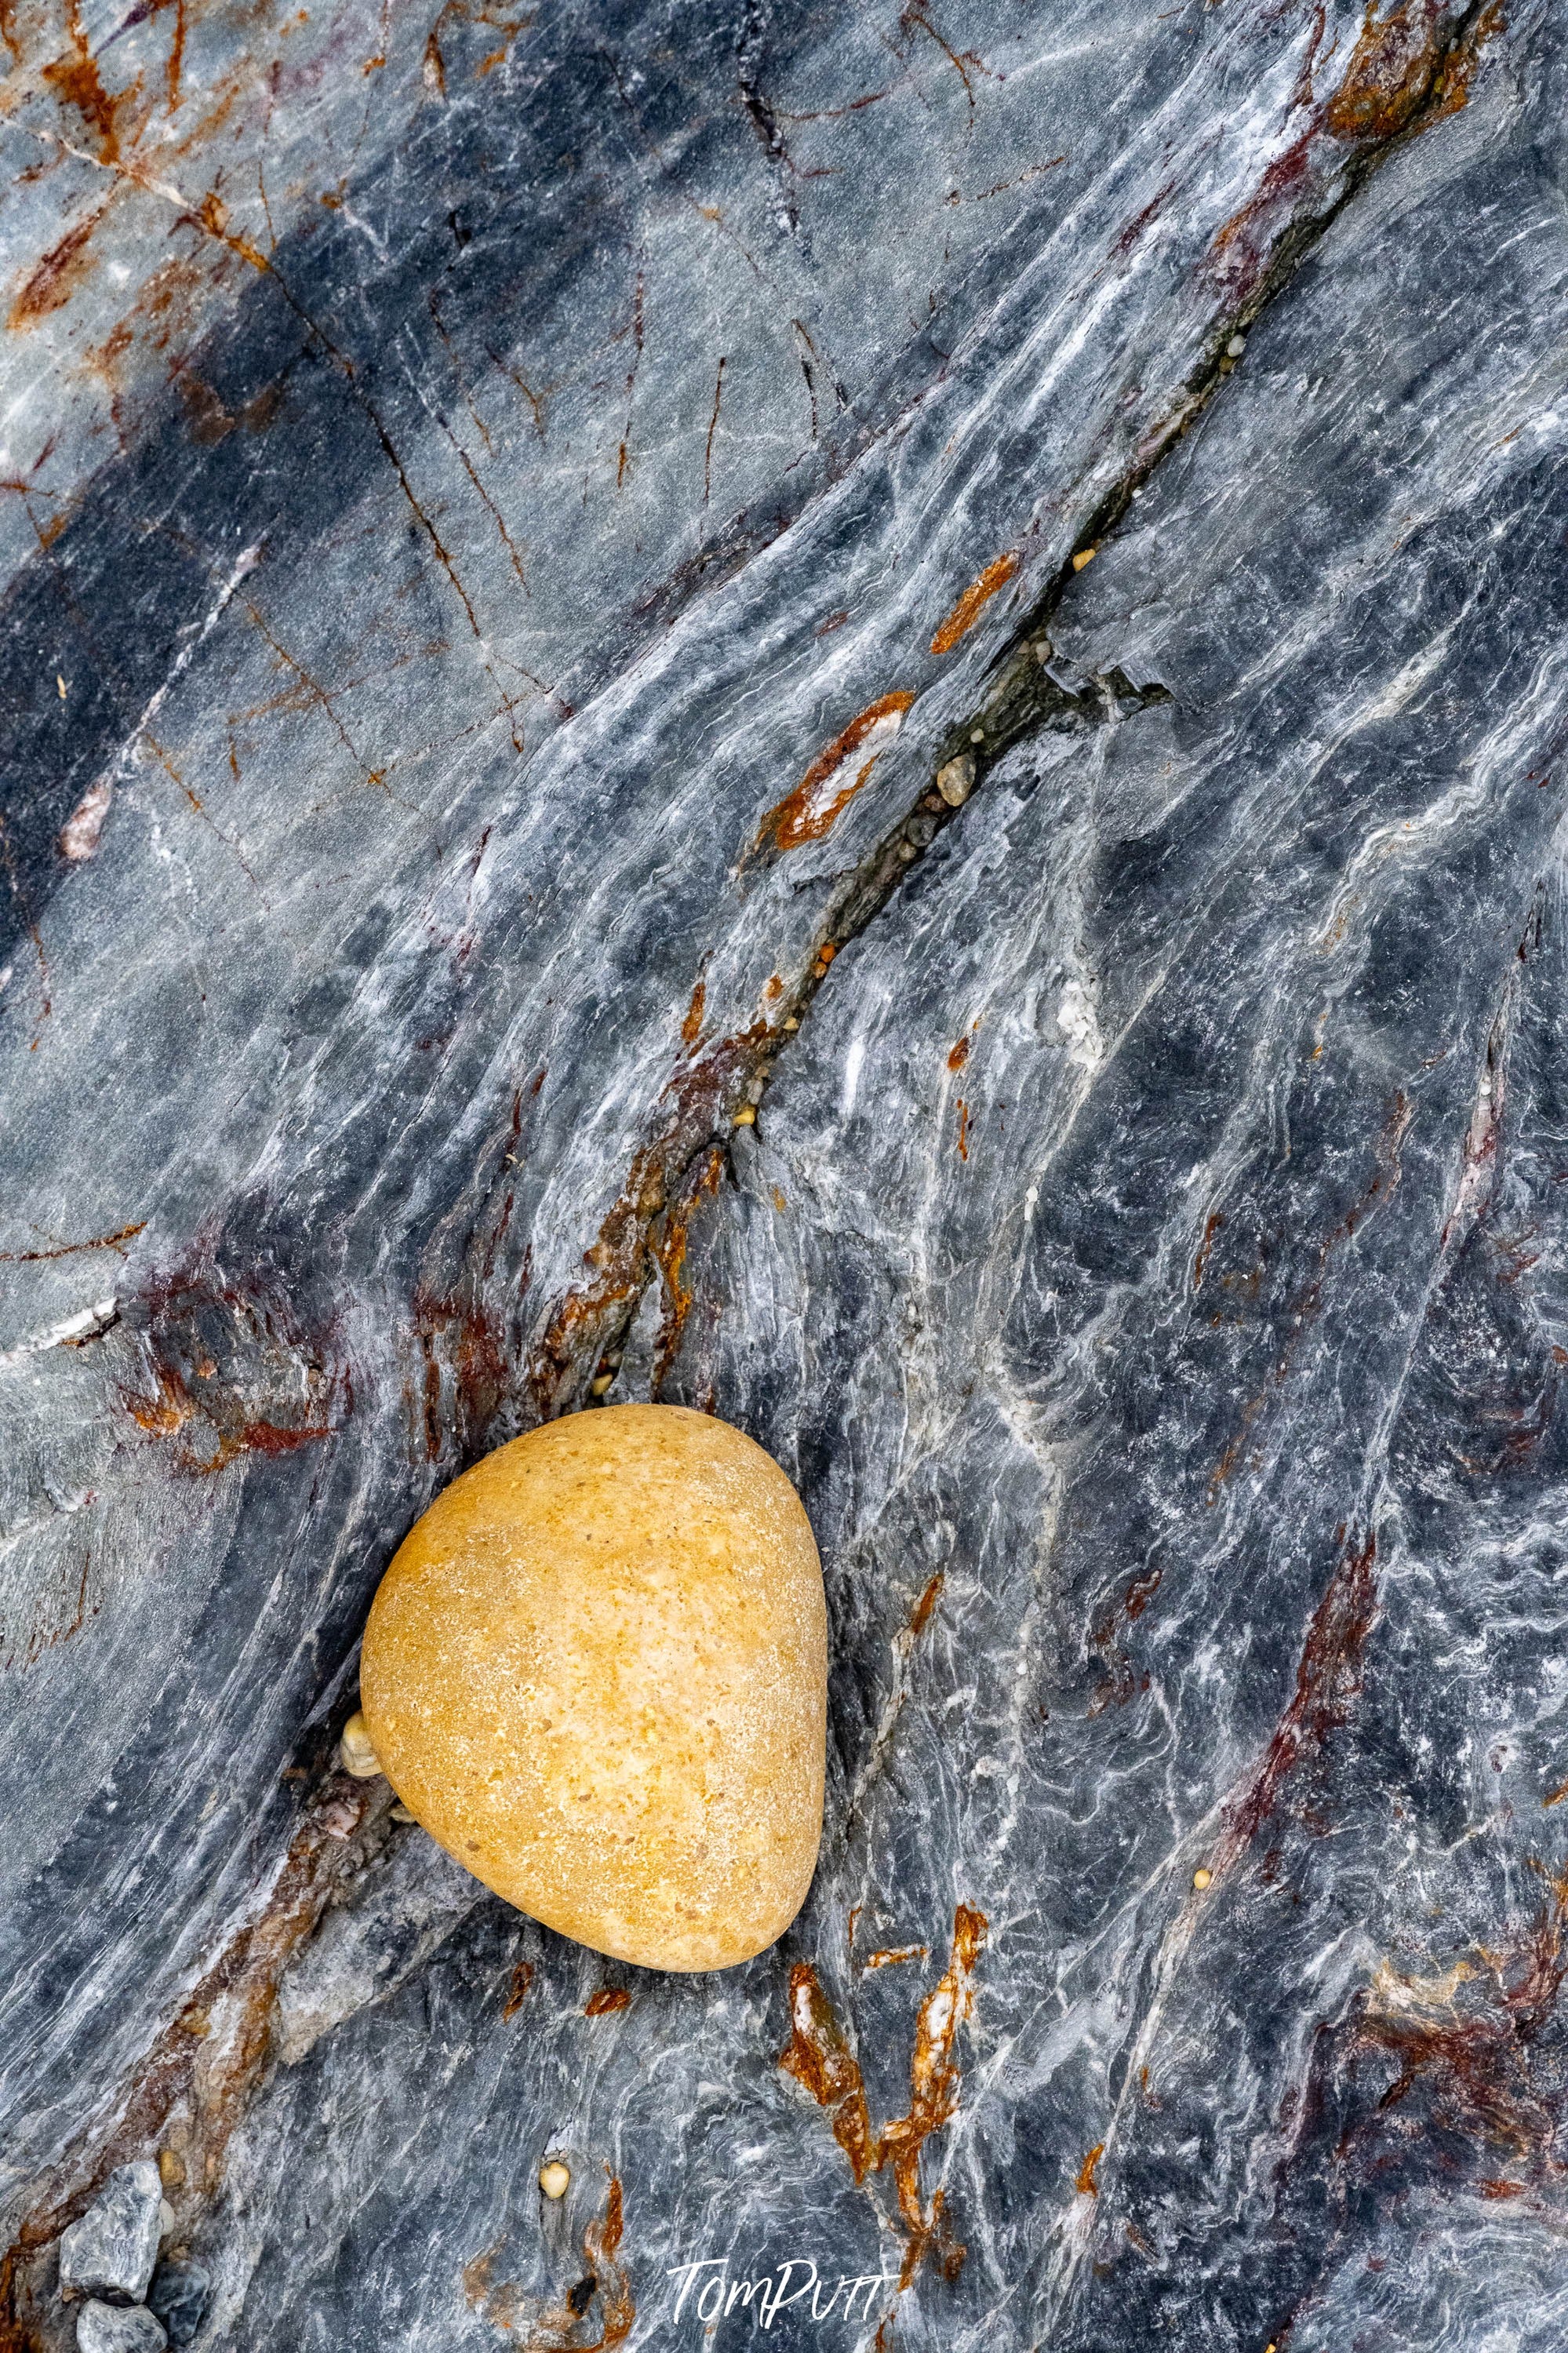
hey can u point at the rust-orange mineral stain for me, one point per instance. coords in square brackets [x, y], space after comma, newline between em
[1390, 71]
[818, 2056]
[926, 1604]
[1087, 2184]
[973, 603]
[838, 772]
[557, 2329]
[56, 276]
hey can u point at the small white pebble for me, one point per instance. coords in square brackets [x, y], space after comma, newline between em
[357, 1750]
[554, 2179]
[1236, 347]
[977, 734]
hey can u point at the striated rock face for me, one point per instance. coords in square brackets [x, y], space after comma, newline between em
[112, 2249]
[856, 720]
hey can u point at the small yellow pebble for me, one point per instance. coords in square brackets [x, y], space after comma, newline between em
[1201, 1878]
[170, 2170]
[1085, 555]
[600, 1384]
[747, 1115]
[357, 1750]
[554, 2179]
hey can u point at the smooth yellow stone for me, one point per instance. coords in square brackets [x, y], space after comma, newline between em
[597, 1672]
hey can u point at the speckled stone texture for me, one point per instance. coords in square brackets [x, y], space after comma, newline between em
[506, 516]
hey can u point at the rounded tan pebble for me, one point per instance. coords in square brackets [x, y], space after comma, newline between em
[554, 2179]
[596, 1672]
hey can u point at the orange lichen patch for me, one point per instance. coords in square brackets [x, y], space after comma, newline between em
[51, 283]
[608, 1999]
[1086, 2185]
[1557, 1795]
[516, 1994]
[934, 2094]
[75, 77]
[960, 1054]
[691, 1028]
[1453, 88]
[1398, 77]
[927, 1603]
[973, 603]
[838, 772]
[1391, 69]
[934, 2084]
[819, 2057]
[894, 1955]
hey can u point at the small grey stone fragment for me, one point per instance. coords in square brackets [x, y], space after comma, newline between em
[111, 2249]
[118, 2328]
[179, 2295]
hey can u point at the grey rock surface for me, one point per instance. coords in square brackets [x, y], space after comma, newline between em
[111, 2249]
[509, 516]
[178, 2297]
[119, 2329]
